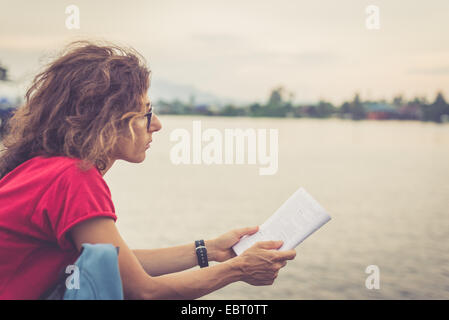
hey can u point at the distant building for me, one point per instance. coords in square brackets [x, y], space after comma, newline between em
[3, 74]
[10, 93]
[411, 111]
[201, 109]
[309, 111]
[379, 111]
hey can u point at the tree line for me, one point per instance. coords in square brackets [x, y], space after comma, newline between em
[279, 104]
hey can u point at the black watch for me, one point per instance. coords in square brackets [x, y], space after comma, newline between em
[201, 253]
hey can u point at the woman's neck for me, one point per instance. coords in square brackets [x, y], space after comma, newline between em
[108, 166]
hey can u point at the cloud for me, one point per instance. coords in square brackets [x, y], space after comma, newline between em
[217, 39]
[444, 70]
[24, 42]
[317, 57]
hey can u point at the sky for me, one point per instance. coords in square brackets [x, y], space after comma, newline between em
[243, 49]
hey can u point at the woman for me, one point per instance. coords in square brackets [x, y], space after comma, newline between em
[86, 110]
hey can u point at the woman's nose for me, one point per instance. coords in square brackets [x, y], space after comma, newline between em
[156, 124]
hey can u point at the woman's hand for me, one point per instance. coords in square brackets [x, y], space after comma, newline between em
[220, 249]
[260, 264]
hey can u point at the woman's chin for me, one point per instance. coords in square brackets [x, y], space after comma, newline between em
[137, 158]
[142, 157]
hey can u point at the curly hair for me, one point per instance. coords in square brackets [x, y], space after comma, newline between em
[78, 106]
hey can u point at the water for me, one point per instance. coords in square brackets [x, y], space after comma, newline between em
[385, 184]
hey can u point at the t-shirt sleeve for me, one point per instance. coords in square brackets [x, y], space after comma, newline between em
[78, 196]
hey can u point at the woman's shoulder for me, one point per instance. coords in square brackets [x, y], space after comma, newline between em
[50, 164]
[55, 175]
[69, 174]
[67, 168]
[51, 168]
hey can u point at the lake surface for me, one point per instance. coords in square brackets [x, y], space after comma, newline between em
[385, 184]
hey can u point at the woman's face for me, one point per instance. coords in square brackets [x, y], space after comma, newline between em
[135, 152]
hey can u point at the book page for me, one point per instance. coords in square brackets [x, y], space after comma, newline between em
[293, 222]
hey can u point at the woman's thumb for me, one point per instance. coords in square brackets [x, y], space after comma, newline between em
[247, 231]
[270, 244]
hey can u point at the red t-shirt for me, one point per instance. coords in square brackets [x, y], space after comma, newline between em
[40, 201]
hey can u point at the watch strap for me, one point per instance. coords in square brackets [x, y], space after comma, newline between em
[201, 253]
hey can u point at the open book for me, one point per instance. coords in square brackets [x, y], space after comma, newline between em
[294, 221]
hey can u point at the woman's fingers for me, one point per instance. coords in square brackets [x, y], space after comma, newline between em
[269, 244]
[246, 231]
[285, 255]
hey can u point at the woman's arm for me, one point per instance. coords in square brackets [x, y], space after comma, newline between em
[161, 261]
[157, 262]
[256, 266]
